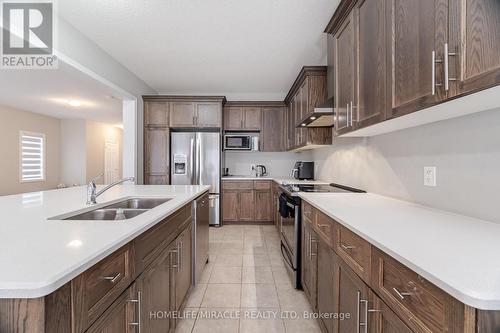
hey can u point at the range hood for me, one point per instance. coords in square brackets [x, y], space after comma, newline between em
[322, 116]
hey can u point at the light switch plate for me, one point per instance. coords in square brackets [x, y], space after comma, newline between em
[430, 176]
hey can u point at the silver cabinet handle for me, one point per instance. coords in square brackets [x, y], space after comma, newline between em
[400, 294]
[112, 279]
[367, 311]
[137, 301]
[358, 310]
[447, 78]
[323, 226]
[310, 247]
[351, 108]
[176, 266]
[434, 62]
[347, 247]
[179, 247]
[347, 115]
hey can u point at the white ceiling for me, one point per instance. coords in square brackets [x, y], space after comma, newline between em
[46, 91]
[245, 49]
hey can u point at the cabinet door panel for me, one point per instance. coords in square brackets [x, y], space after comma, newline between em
[382, 319]
[474, 34]
[371, 50]
[252, 118]
[156, 113]
[344, 46]
[119, 315]
[230, 205]
[273, 129]
[208, 114]
[182, 114]
[415, 27]
[309, 263]
[233, 118]
[246, 204]
[156, 144]
[263, 203]
[326, 284]
[351, 290]
[183, 276]
[155, 285]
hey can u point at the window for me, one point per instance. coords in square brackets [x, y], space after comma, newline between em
[31, 157]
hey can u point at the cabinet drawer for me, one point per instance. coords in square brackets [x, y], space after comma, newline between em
[308, 212]
[423, 306]
[94, 290]
[151, 243]
[355, 251]
[262, 185]
[236, 185]
[324, 225]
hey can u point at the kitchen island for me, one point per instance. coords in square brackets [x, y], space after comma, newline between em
[87, 275]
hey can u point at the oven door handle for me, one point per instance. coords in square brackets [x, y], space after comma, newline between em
[286, 257]
[290, 205]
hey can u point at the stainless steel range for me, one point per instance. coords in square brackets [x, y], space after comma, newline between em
[291, 226]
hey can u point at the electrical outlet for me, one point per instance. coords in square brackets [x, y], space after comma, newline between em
[430, 176]
[252, 166]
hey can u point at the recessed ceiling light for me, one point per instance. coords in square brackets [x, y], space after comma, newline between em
[303, 125]
[74, 102]
[75, 243]
[312, 118]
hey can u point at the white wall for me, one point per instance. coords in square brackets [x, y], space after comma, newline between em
[277, 164]
[465, 150]
[13, 121]
[73, 151]
[81, 52]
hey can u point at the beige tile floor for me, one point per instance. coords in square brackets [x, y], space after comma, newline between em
[246, 276]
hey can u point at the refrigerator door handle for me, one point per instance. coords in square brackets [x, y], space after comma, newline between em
[198, 160]
[192, 166]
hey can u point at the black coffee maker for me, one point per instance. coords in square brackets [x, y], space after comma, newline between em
[303, 170]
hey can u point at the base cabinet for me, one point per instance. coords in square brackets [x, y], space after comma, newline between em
[327, 271]
[309, 262]
[121, 316]
[247, 201]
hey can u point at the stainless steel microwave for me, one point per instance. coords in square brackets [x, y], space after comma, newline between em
[241, 142]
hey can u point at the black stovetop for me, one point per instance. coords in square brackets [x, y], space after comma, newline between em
[320, 188]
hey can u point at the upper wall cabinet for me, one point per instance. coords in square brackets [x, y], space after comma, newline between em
[474, 37]
[264, 117]
[307, 92]
[389, 58]
[242, 118]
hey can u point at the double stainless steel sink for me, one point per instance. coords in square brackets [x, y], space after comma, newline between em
[122, 210]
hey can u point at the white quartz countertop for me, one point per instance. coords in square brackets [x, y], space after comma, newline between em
[457, 253]
[279, 179]
[37, 255]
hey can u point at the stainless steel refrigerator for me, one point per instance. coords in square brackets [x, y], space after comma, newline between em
[195, 160]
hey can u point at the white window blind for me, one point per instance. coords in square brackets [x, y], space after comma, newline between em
[32, 156]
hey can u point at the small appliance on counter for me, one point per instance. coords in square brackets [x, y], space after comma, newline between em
[303, 170]
[260, 170]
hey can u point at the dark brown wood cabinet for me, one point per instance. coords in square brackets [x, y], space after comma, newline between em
[345, 75]
[381, 319]
[396, 57]
[326, 287]
[183, 266]
[309, 262]
[156, 156]
[208, 115]
[307, 92]
[352, 296]
[198, 114]
[246, 205]
[247, 201]
[238, 117]
[183, 114]
[370, 43]
[474, 27]
[121, 316]
[156, 113]
[154, 287]
[273, 129]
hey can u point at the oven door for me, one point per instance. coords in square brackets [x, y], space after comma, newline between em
[237, 142]
[290, 238]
